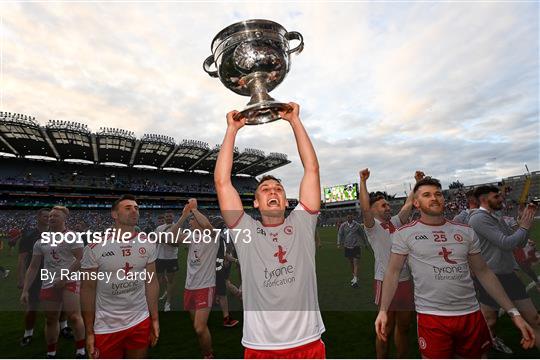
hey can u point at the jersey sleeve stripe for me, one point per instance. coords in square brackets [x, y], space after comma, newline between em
[312, 212]
[408, 225]
[235, 224]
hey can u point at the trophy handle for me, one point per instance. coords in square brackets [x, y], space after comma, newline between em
[206, 66]
[295, 35]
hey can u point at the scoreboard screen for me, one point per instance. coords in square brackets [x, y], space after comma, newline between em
[348, 192]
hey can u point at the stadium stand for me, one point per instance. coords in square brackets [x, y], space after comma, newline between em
[65, 163]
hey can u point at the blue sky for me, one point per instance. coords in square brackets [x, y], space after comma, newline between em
[448, 88]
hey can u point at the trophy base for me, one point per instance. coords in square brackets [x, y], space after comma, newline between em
[263, 112]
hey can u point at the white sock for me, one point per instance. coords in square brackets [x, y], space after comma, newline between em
[80, 351]
[63, 324]
[29, 332]
[51, 353]
[354, 279]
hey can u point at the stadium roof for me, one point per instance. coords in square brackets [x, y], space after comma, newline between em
[72, 140]
[22, 136]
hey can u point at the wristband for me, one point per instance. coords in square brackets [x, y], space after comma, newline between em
[513, 312]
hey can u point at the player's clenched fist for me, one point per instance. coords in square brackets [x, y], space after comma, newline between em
[364, 174]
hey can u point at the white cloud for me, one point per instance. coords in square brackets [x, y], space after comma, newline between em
[395, 87]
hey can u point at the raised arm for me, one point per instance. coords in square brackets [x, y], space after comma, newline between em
[176, 229]
[490, 231]
[228, 198]
[310, 186]
[201, 219]
[405, 211]
[367, 215]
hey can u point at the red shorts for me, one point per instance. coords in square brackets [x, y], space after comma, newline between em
[55, 294]
[113, 345]
[199, 298]
[520, 256]
[312, 350]
[403, 298]
[465, 336]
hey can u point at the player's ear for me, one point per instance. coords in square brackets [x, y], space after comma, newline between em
[416, 203]
[114, 214]
[286, 202]
[256, 204]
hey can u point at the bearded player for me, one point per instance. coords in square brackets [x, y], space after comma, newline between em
[120, 313]
[441, 255]
[277, 255]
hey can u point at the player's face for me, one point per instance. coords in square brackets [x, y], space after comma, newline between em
[127, 213]
[495, 201]
[193, 223]
[382, 210]
[169, 217]
[43, 218]
[429, 200]
[270, 198]
[349, 218]
[473, 201]
[57, 219]
[160, 220]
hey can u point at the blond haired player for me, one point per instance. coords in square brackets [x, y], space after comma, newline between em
[277, 255]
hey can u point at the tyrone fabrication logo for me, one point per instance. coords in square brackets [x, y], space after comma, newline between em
[282, 275]
[445, 254]
[281, 255]
[453, 271]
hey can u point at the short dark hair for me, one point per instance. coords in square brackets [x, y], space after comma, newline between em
[42, 210]
[266, 178]
[374, 197]
[470, 194]
[122, 198]
[484, 190]
[427, 181]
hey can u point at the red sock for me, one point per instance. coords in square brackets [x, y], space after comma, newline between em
[51, 347]
[80, 344]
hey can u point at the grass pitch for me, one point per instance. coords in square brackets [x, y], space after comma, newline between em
[348, 314]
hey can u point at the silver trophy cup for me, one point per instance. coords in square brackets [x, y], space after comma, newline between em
[251, 58]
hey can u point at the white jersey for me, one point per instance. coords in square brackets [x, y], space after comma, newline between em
[379, 238]
[55, 258]
[438, 258]
[201, 261]
[165, 251]
[121, 301]
[279, 281]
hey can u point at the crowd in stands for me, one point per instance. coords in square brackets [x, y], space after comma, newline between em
[132, 184]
